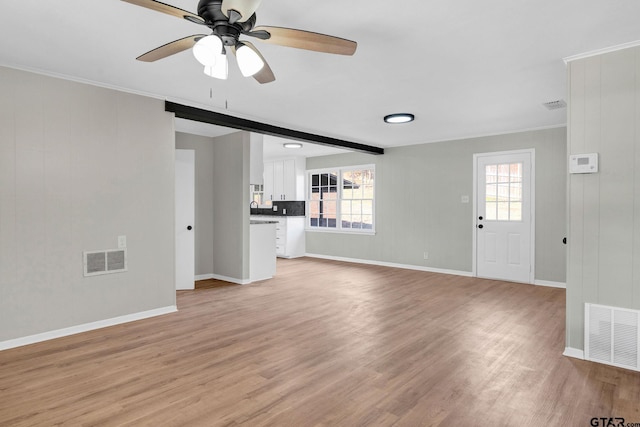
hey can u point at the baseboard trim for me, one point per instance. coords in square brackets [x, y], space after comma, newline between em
[230, 279]
[392, 264]
[550, 284]
[427, 269]
[204, 277]
[573, 352]
[59, 333]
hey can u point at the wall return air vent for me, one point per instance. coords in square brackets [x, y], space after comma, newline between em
[105, 262]
[612, 336]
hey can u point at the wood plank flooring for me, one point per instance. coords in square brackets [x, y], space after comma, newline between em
[324, 344]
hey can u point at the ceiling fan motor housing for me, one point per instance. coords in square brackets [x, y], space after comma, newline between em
[211, 12]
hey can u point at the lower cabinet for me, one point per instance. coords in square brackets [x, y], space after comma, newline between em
[290, 242]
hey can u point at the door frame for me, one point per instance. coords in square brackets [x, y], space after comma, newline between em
[532, 253]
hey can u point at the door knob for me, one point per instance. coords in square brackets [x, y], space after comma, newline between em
[480, 226]
[480, 218]
[189, 227]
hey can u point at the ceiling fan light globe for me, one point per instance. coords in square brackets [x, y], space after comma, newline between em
[220, 70]
[249, 61]
[207, 50]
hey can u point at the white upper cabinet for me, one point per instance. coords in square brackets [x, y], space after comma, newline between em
[255, 159]
[284, 179]
[268, 182]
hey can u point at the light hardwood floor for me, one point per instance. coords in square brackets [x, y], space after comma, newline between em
[325, 344]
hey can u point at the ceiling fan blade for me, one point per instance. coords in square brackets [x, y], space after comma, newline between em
[307, 40]
[265, 75]
[168, 9]
[246, 8]
[169, 49]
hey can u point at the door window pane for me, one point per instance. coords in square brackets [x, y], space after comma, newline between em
[503, 211]
[503, 192]
[491, 211]
[515, 211]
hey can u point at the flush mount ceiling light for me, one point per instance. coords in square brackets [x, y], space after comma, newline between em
[292, 145]
[399, 118]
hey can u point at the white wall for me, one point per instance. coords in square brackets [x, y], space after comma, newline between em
[231, 157]
[79, 166]
[419, 209]
[604, 208]
[222, 203]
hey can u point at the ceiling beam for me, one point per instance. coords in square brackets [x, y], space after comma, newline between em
[205, 116]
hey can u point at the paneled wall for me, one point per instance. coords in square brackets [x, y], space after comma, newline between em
[80, 166]
[604, 208]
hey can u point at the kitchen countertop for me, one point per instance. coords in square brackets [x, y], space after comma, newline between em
[260, 222]
[279, 216]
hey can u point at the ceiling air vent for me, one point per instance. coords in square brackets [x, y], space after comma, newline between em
[555, 105]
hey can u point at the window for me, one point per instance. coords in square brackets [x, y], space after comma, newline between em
[504, 192]
[342, 199]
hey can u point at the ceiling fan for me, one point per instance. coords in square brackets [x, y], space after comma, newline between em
[228, 20]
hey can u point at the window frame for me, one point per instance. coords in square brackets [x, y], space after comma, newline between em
[338, 228]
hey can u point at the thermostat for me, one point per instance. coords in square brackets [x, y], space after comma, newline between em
[583, 163]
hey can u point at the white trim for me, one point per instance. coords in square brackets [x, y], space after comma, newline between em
[340, 170]
[81, 80]
[573, 352]
[476, 156]
[481, 135]
[222, 109]
[546, 283]
[59, 333]
[178, 100]
[550, 284]
[392, 264]
[203, 277]
[601, 51]
[230, 279]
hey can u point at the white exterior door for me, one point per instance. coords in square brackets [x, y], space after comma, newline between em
[504, 220]
[185, 215]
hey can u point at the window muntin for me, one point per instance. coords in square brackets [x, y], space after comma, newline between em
[342, 199]
[503, 192]
[323, 203]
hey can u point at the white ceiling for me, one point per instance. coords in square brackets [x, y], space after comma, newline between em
[463, 67]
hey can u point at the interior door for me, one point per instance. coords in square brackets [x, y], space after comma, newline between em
[185, 216]
[504, 222]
